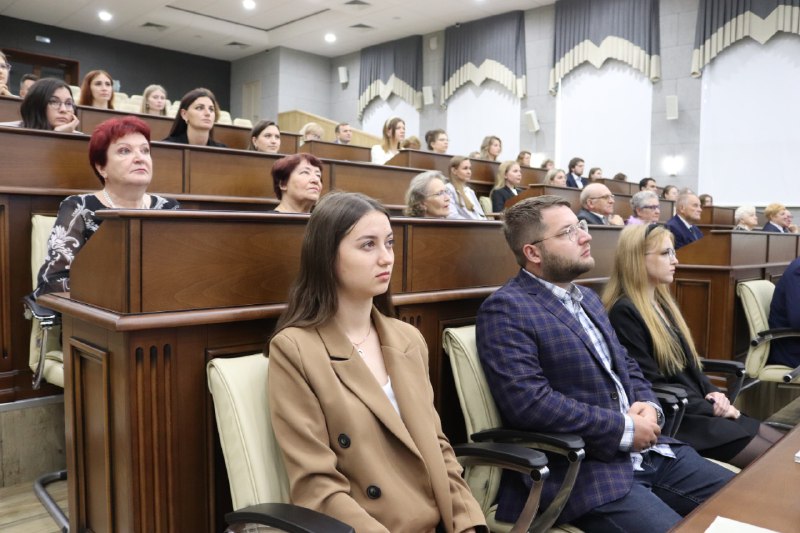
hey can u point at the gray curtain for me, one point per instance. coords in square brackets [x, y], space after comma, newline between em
[720, 23]
[625, 30]
[491, 48]
[391, 68]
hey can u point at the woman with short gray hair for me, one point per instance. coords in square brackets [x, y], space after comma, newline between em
[745, 218]
[645, 208]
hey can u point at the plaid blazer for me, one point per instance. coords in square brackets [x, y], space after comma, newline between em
[545, 375]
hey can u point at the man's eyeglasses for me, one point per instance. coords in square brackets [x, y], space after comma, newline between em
[604, 197]
[55, 103]
[571, 232]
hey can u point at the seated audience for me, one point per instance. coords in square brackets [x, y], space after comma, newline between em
[265, 137]
[350, 399]
[556, 176]
[575, 171]
[343, 133]
[97, 90]
[745, 218]
[670, 192]
[506, 185]
[25, 83]
[778, 218]
[706, 200]
[464, 203]
[194, 123]
[548, 164]
[554, 364]
[427, 196]
[687, 214]
[5, 71]
[646, 208]
[491, 148]
[650, 326]
[597, 206]
[784, 312]
[48, 106]
[39, 113]
[524, 158]
[119, 155]
[394, 132]
[297, 181]
[437, 141]
[154, 101]
[411, 143]
[619, 176]
[311, 132]
[595, 174]
[649, 184]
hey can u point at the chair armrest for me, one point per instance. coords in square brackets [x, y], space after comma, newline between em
[772, 334]
[733, 368]
[499, 454]
[570, 446]
[287, 517]
[791, 376]
[678, 392]
[43, 314]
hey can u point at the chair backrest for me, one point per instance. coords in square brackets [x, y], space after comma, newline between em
[244, 122]
[486, 204]
[41, 227]
[477, 405]
[252, 456]
[756, 297]
[225, 118]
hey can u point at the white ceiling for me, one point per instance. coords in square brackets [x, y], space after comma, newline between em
[205, 27]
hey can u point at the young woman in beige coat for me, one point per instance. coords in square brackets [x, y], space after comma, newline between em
[350, 397]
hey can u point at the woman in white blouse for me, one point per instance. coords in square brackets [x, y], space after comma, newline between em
[464, 202]
[394, 131]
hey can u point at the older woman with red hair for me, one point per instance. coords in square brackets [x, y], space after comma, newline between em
[297, 181]
[119, 154]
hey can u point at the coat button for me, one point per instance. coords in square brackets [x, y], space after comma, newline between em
[373, 492]
[614, 396]
[344, 441]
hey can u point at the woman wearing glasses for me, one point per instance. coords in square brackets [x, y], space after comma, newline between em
[646, 208]
[48, 106]
[427, 196]
[649, 324]
[5, 70]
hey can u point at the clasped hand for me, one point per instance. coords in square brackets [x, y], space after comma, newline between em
[722, 405]
[645, 425]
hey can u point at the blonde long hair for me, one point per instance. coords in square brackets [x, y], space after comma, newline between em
[500, 177]
[458, 185]
[629, 278]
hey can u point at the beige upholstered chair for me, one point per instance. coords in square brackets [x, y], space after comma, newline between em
[225, 118]
[486, 204]
[46, 359]
[243, 122]
[252, 456]
[756, 297]
[483, 422]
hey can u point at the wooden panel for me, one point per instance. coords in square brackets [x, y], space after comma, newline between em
[167, 169]
[455, 255]
[423, 160]
[782, 247]
[386, 184]
[101, 271]
[91, 117]
[224, 172]
[690, 292]
[9, 108]
[717, 215]
[339, 152]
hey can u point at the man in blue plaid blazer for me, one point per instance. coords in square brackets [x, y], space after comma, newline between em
[554, 364]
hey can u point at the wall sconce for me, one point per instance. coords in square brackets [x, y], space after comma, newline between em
[672, 164]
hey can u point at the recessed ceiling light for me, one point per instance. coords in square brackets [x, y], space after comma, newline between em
[249, 4]
[330, 38]
[105, 16]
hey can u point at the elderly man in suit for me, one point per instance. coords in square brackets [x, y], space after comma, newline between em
[687, 214]
[554, 364]
[597, 206]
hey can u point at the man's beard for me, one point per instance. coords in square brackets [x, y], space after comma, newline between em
[556, 269]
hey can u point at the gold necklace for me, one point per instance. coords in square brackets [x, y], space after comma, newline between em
[357, 345]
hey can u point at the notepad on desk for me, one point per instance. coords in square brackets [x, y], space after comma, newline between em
[726, 525]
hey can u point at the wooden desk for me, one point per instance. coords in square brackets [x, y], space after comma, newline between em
[764, 494]
[340, 152]
[718, 215]
[706, 279]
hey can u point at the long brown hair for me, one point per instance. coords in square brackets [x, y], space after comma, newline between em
[458, 185]
[87, 98]
[389, 132]
[629, 279]
[312, 296]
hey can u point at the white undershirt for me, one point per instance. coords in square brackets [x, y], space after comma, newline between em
[389, 391]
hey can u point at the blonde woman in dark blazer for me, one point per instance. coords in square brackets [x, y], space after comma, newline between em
[350, 398]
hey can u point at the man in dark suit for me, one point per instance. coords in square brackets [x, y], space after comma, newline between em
[784, 312]
[687, 214]
[343, 133]
[597, 206]
[554, 364]
[574, 178]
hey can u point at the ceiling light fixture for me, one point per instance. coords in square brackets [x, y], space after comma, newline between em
[105, 16]
[249, 4]
[330, 38]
